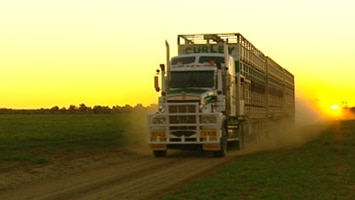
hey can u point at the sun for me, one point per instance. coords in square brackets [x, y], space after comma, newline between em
[335, 107]
[334, 111]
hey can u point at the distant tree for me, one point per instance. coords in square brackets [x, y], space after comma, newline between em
[101, 109]
[54, 109]
[5, 110]
[139, 108]
[83, 108]
[115, 109]
[72, 109]
[127, 108]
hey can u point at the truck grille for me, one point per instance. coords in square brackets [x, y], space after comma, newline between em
[183, 118]
[188, 108]
[182, 123]
[189, 119]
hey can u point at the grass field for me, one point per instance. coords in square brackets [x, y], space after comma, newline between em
[321, 169]
[36, 138]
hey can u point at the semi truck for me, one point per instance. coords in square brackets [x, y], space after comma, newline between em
[219, 89]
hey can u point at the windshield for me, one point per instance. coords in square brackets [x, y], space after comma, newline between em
[183, 60]
[216, 59]
[191, 79]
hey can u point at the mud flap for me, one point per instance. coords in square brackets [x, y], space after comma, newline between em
[211, 147]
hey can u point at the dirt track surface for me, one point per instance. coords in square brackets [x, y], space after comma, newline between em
[122, 175]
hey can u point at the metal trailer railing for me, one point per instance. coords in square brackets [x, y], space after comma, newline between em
[271, 92]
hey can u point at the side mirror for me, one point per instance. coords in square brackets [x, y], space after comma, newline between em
[156, 83]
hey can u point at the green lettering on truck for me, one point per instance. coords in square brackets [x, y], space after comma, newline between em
[188, 50]
[207, 49]
[212, 49]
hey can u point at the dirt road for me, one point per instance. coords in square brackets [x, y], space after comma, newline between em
[124, 176]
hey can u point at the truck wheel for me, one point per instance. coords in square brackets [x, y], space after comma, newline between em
[223, 151]
[159, 153]
[241, 137]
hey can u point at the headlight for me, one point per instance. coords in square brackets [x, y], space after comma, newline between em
[161, 134]
[159, 120]
[161, 109]
[208, 119]
[208, 133]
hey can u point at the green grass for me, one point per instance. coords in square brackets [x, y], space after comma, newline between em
[321, 169]
[38, 137]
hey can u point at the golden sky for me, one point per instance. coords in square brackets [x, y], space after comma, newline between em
[105, 52]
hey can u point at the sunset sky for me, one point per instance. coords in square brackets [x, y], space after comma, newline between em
[105, 52]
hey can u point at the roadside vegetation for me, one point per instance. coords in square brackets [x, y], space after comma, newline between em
[40, 138]
[321, 169]
[81, 109]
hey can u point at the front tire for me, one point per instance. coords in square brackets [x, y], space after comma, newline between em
[223, 151]
[159, 153]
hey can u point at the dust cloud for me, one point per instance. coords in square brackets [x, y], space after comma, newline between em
[349, 113]
[307, 126]
[136, 133]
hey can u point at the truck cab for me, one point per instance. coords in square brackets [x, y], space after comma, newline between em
[193, 105]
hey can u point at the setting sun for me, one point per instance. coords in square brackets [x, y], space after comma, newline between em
[333, 112]
[334, 107]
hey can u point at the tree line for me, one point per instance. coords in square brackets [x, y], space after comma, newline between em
[82, 109]
[98, 109]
